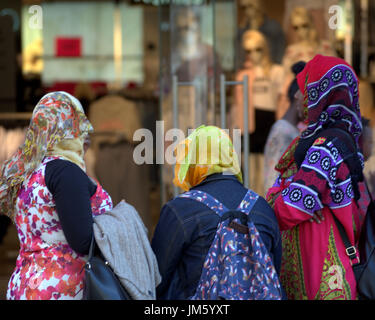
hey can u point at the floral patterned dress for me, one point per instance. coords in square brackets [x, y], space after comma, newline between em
[46, 267]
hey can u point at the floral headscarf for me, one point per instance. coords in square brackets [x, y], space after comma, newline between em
[206, 151]
[56, 117]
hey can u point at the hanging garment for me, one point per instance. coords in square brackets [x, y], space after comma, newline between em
[122, 178]
[115, 120]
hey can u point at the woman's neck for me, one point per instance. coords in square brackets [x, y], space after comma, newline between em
[291, 116]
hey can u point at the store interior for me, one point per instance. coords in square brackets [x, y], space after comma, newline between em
[133, 63]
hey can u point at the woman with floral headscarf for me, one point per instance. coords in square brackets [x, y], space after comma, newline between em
[205, 162]
[45, 190]
[316, 183]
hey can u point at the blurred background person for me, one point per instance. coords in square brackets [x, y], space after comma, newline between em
[283, 132]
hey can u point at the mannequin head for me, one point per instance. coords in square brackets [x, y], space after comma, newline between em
[253, 8]
[253, 13]
[302, 25]
[256, 48]
[187, 25]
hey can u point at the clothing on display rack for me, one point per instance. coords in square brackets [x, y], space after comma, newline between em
[10, 140]
[115, 119]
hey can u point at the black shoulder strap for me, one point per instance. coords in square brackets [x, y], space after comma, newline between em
[350, 249]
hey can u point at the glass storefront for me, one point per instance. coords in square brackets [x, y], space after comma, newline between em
[194, 51]
[183, 62]
[148, 72]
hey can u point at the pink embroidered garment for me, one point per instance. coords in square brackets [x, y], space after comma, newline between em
[314, 263]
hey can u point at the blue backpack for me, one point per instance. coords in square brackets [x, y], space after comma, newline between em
[238, 265]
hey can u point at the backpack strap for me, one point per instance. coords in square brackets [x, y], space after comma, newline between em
[215, 205]
[248, 202]
[207, 199]
[245, 206]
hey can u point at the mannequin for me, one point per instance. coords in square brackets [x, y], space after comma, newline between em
[191, 60]
[264, 82]
[194, 60]
[307, 44]
[32, 59]
[256, 19]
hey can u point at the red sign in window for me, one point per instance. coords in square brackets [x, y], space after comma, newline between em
[68, 47]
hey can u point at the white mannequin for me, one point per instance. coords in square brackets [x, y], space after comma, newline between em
[192, 60]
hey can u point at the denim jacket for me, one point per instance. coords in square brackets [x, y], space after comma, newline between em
[186, 229]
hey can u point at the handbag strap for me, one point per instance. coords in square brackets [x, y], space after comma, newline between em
[350, 250]
[92, 247]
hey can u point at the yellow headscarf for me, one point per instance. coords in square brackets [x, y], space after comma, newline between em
[206, 151]
[70, 149]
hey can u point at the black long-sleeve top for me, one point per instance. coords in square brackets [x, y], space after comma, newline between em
[72, 189]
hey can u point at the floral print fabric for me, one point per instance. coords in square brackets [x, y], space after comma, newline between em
[238, 265]
[46, 268]
[57, 116]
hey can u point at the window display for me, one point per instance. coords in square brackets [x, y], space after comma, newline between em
[265, 80]
[306, 45]
[255, 18]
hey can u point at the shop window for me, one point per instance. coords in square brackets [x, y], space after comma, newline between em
[87, 30]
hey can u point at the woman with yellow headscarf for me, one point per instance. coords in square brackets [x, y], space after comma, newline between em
[45, 190]
[205, 162]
